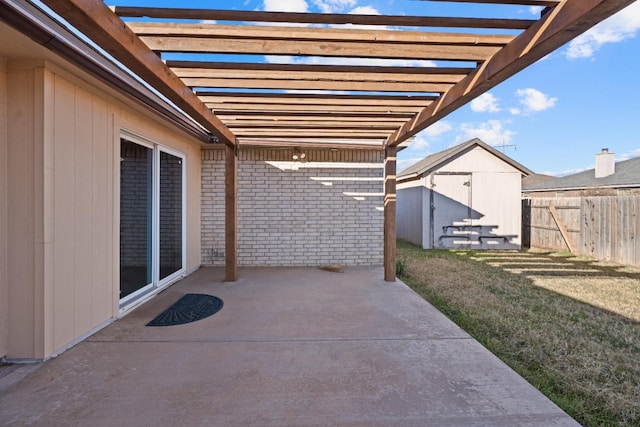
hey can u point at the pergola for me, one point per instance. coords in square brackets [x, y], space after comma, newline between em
[302, 103]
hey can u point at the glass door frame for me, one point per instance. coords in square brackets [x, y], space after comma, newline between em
[156, 284]
[162, 283]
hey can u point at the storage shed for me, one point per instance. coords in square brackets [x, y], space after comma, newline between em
[465, 197]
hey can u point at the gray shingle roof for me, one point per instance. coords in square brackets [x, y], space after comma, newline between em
[627, 174]
[436, 160]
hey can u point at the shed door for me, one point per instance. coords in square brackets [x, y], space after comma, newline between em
[451, 211]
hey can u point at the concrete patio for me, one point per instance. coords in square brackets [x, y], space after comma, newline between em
[296, 346]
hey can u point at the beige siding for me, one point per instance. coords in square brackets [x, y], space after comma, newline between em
[63, 197]
[21, 263]
[4, 286]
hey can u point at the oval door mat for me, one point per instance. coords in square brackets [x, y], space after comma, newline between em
[187, 309]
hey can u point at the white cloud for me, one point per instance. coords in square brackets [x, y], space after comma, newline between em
[565, 172]
[621, 26]
[533, 101]
[629, 155]
[423, 139]
[485, 103]
[319, 60]
[492, 132]
[535, 10]
[365, 10]
[420, 143]
[334, 6]
[285, 5]
[438, 128]
[402, 164]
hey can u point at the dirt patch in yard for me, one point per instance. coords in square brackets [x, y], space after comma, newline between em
[571, 326]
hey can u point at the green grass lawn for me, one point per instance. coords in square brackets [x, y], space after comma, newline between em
[570, 326]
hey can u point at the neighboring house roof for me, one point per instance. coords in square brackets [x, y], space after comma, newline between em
[536, 179]
[435, 161]
[627, 174]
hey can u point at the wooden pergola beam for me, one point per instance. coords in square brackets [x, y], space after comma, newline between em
[310, 74]
[231, 213]
[262, 32]
[317, 68]
[310, 115]
[100, 24]
[318, 133]
[343, 99]
[543, 3]
[563, 23]
[320, 18]
[287, 84]
[307, 145]
[293, 46]
[226, 109]
[390, 199]
[298, 126]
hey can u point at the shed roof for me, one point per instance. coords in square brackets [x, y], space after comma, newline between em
[627, 174]
[212, 64]
[437, 160]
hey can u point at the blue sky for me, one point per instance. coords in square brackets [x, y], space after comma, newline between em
[552, 117]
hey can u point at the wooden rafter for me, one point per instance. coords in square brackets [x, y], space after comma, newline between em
[224, 32]
[292, 46]
[100, 24]
[292, 84]
[311, 74]
[251, 98]
[544, 3]
[566, 21]
[318, 68]
[321, 109]
[320, 18]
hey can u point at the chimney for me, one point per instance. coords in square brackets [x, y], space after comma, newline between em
[605, 163]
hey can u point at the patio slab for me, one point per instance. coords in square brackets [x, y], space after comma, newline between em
[291, 346]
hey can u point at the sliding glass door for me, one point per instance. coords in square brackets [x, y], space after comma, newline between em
[152, 212]
[136, 202]
[170, 235]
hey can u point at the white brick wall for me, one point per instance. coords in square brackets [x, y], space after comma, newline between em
[290, 217]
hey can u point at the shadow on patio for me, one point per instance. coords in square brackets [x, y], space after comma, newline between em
[291, 346]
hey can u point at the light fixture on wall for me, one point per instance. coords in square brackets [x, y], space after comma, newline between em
[298, 155]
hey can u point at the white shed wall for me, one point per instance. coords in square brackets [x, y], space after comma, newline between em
[409, 215]
[497, 197]
[495, 202]
[477, 160]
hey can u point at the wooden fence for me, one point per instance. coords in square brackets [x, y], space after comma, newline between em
[600, 227]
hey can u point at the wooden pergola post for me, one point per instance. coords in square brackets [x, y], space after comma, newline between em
[231, 213]
[390, 213]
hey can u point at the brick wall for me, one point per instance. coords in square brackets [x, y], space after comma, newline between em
[325, 210]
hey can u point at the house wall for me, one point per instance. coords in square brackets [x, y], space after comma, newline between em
[63, 217]
[326, 210]
[411, 216]
[4, 285]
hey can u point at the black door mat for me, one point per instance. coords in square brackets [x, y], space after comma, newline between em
[187, 309]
